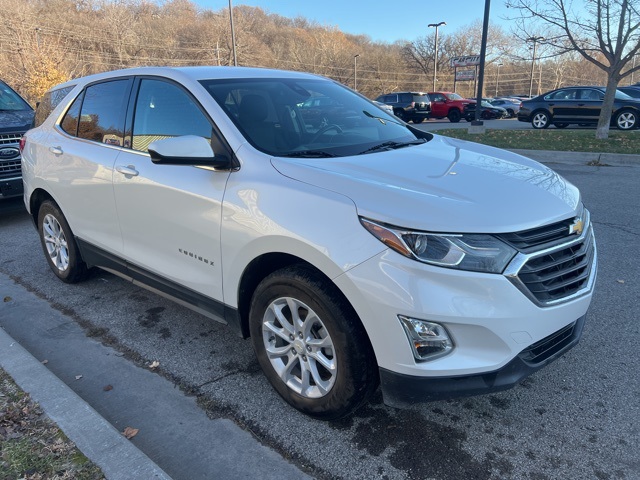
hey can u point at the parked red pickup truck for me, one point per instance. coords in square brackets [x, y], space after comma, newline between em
[448, 104]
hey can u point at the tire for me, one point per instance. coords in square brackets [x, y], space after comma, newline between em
[319, 358]
[561, 125]
[626, 120]
[540, 119]
[59, 245]
[402, 115]
[418, 119]
[454, 116]
[510, 113]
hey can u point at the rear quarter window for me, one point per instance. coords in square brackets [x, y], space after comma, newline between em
[49, 102]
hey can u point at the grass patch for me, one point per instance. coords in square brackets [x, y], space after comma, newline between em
[32, 447]
[553, 139]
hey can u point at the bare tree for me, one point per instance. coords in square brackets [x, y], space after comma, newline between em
[604, 32]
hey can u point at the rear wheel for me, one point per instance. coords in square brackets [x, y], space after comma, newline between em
[626, 120]
[454, 116]
[540, 119]
[310, 343]
[418, 119]
[59, 245]
[402, 115]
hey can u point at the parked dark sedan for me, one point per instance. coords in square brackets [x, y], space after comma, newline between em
[580, 105]
[488, 111]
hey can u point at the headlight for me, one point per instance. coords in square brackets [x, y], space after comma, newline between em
[468, 251]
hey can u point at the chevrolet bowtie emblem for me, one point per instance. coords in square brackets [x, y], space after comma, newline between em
[576, 227]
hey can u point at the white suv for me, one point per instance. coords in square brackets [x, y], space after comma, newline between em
[353, 249]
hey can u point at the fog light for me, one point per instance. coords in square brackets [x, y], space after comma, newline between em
[428, 340]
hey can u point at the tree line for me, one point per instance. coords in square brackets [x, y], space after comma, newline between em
[45, 42]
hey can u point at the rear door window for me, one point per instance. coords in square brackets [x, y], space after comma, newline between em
[102, 114]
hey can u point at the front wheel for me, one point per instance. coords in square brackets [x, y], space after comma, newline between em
[626, 120]
[59, 245]
[310, 343]
[540, 120]
[454, 116]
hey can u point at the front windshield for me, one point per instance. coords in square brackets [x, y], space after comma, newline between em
[307, 117]
[454, 96]
[10, 101]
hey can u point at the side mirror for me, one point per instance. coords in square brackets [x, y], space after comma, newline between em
[186, 150]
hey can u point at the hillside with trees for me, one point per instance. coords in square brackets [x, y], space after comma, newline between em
[45, 42]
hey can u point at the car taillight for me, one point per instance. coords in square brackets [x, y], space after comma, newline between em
[23, 141]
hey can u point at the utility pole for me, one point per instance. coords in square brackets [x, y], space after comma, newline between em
[535, 41]
[498, 78]
[355, 72]
[435, 52]
[233, 36]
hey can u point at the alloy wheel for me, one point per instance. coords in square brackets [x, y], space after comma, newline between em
[55, 242]
[299, 347]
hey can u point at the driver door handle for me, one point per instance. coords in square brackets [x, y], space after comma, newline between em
[57, 151]
[129, 170]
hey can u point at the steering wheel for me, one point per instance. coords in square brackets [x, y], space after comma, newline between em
[325, 129]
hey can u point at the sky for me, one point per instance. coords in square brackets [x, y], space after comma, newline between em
[386, 21]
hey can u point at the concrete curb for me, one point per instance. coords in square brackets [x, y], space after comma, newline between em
[581, 158]
[93, 435]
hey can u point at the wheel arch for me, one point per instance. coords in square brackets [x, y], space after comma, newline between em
[264, 265]
[36, 199]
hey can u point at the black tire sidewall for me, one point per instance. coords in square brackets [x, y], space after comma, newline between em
[76, 270]
[355, 376]
[454, 116]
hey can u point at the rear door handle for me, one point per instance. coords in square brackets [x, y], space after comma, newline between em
[129, 170]
[57, 151]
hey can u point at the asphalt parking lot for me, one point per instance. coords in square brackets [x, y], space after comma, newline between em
[575, 419]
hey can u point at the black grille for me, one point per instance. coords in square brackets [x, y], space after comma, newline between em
[560, 273]
[529, 240]
[10, 139]
[547, 347]
[10, 168]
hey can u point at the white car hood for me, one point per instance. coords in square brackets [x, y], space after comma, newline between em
[445, 185]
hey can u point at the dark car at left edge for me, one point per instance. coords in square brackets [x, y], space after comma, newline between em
[579, 105]
[16, 117]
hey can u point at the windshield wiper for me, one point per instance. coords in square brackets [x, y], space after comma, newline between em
[382, 120]
[309, 154]
[391, 145]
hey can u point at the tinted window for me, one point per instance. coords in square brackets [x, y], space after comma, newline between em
[421, 98]
[591, 94]
[405, 98]
[70, 121]
[164, 110]
[49, 101]
[103, 111]
[562, 95]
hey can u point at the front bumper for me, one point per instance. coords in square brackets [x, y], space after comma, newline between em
[400, 390]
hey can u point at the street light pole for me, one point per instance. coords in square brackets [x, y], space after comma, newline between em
[435, 53]
[535, 41]
[355, 72]
[498, 78]
[233, 36]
